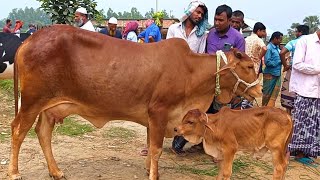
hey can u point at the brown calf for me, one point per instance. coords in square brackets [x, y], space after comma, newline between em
[256, 130]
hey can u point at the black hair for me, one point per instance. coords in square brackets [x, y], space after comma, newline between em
[238, 13]
[224, 8]
[8, 20]
[258, 26]
[276, 34]
[205, 9]
[304, 29]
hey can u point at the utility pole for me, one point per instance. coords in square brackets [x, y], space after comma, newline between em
[156, 5]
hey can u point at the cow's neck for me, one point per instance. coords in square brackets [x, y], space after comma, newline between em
[201, 87]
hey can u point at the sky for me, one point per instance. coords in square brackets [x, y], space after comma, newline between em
[277, 15]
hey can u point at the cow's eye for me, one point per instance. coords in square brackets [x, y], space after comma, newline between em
[190, 122]
[250, 66]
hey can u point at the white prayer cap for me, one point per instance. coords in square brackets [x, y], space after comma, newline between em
[82, 10]
[113, 20]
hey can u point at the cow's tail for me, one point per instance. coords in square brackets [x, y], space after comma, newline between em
[290, 135]
[16, 85]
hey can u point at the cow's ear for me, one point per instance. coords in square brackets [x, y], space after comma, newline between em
[238, 53]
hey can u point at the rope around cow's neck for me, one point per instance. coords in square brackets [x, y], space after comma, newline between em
[224, 57]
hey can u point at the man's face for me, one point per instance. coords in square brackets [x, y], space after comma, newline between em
[237, 22]
[10, 24]
[221, 22]
[79, 19]
[112, 27]
[297, 33]
[278, 40]
[261, 33]
[197, 16]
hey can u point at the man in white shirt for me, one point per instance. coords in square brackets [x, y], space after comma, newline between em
[81, 19]
[192, 27]
[305, 82]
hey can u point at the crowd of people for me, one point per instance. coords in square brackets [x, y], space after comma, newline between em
[300, 93]
[17, 28]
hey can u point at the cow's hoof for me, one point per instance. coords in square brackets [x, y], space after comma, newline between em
[59, 176]
[15, 177]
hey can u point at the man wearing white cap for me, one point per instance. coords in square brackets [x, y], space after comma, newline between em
[112, 29]
[81, 19]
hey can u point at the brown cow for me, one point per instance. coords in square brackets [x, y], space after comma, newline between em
[65, 70]
[254, 130]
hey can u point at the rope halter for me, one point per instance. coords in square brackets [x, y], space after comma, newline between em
[220, 54]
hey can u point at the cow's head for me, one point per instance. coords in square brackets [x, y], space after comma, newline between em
[238, 77]
[193, 126]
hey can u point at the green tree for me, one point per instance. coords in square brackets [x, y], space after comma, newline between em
[149, 14]
[291, 34]
[28, 15]
[313, 23]
[62, 11]
[135, 14]
[111, 13]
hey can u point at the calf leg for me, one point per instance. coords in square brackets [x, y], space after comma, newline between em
[44, 129]
[225, 170]
[19, 129]
[279, 163]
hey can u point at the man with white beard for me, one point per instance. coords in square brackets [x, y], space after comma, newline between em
[81, 19]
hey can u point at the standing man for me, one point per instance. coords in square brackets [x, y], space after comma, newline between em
[82, 20]
[112, 29]
[255, 47]
[287, 98]
[237, 20]
[305, 82]
[223, 36]
[192, 28]
[272, 71]
[32, 29]
[152, 33]
[7, 27]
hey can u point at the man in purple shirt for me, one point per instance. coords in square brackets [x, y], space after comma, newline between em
[223, 36]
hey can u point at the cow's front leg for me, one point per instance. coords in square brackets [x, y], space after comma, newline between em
[157, 126]
[44, 129]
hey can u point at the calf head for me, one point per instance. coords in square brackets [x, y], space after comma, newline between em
[238, 77]
[193, 125]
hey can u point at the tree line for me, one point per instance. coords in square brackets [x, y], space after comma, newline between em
[62, 12]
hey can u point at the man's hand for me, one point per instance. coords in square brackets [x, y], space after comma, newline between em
[286, 67]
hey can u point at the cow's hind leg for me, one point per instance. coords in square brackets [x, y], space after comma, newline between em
[19, 129]
[279, 163]
[44, 129]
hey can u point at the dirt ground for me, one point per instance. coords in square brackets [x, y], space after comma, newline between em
[93, 156]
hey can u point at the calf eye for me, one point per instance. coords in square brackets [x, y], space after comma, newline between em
[190, 122]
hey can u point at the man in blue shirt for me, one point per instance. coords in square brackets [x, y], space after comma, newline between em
[272, 71]
[152, 33]
[287, 98]
[112, 29]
